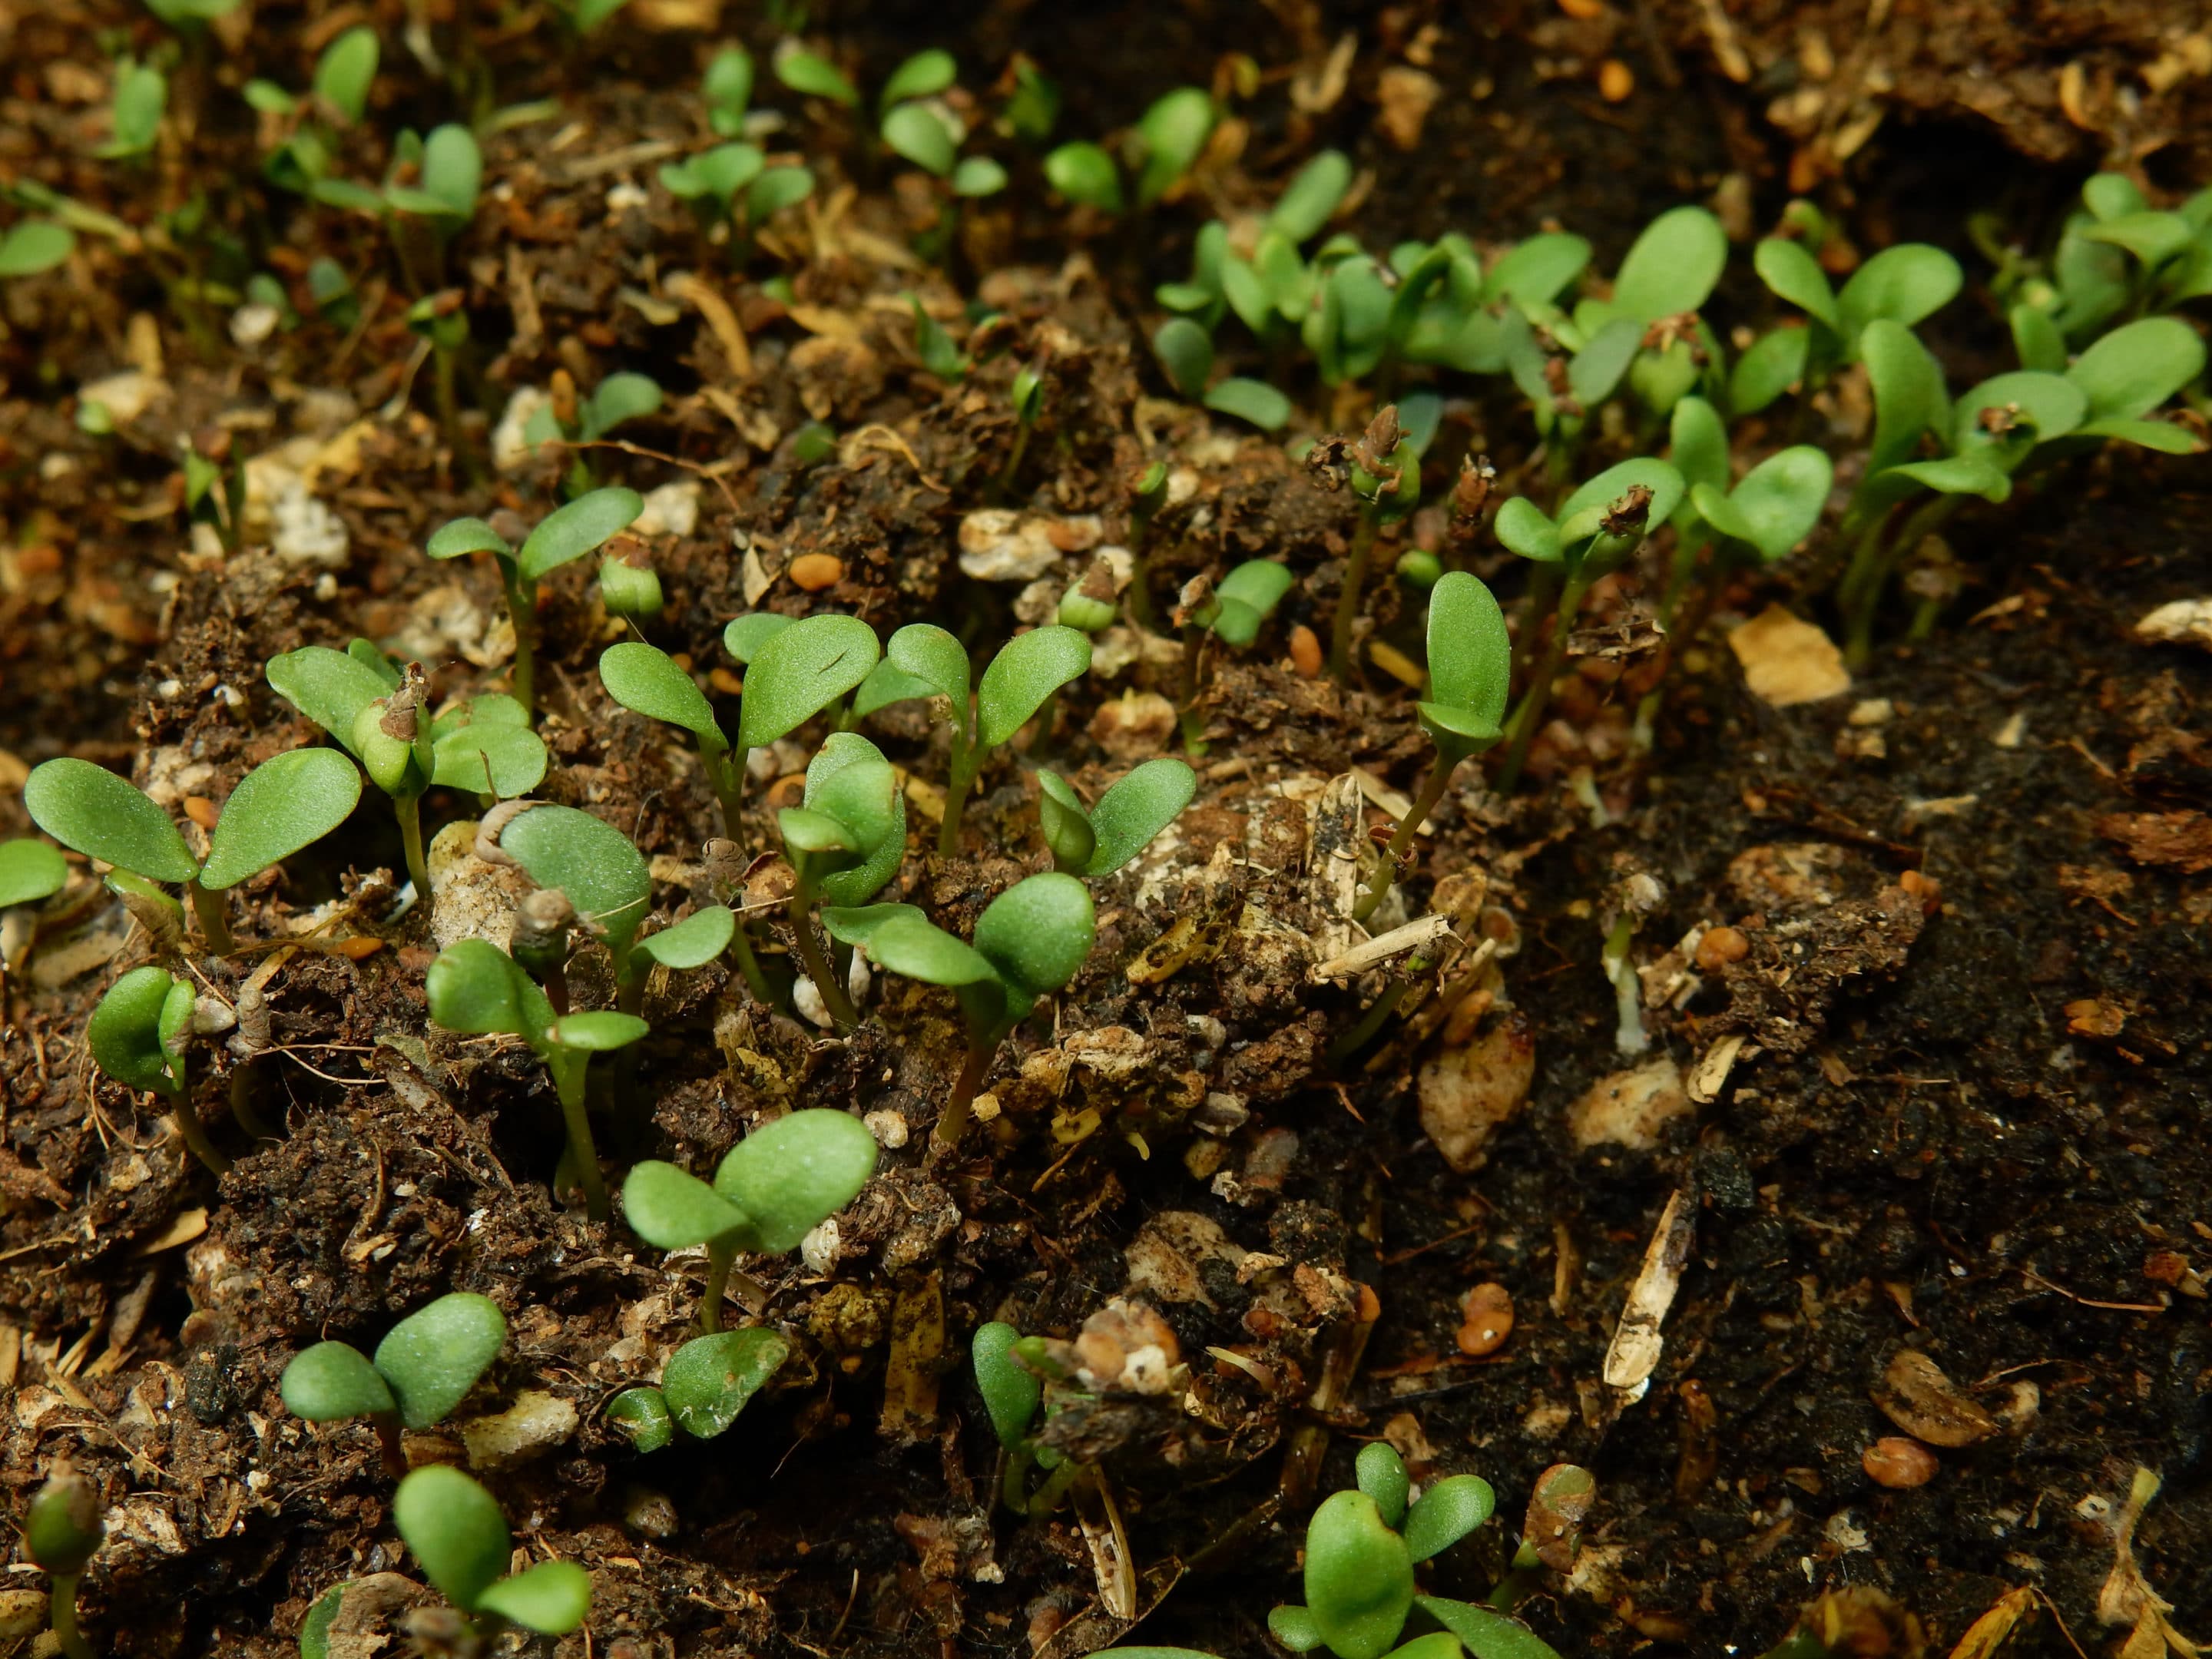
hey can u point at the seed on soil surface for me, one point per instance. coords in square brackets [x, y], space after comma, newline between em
[1914, 1394]
[815, 571]
[1305, 652]
[201, 811]
[1894, 1461]
[1583, 10]
[724, 681]
[1719, 947]
[1615, 81]
[1485, 1320]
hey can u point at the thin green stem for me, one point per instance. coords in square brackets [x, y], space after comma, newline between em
[61, 1613]
[1006, 484]
[243, 1112]
[1047, 715]
[208, 907]
[1922, 522]
[1347, 598]
[834, 996]
[1543, 598]
[1013, 1483]
[1521, 727]
[749, 965]
[726, 778]
[568, 1083]
[957, 785]
[191, 1131]
[1047, 1497]
[522, 612]
[720, 1253]
[1370, 1023]
[408, 811]
[953, 1122]
[1860, 575]
[1433, 791]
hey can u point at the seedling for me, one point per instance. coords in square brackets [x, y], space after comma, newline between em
[304, 161]
[424, 1367]
[1664, 281]
[474, 987]
[2118, 255]
[1385, 474]
[1186, 353]
[279, 807]
[1148, 493]
[934, 347]
[1233, 613]
[1013, 1391]
[29, 871]
[727, 91]
[629, 587]
[1134, 810]
[454, 1529]
[844, 841]
[567, 532]
[1026, 394]
[1597, 529]
[1027, 669]
[442, 319]
[62, 1532]
[1903, 285]
[141, 95]
[1470, 670]
[1029, 941]
[794, 670]
[730, 188]
[705, 1385]
[138, 1035]
[772, 1188]
[565, 417]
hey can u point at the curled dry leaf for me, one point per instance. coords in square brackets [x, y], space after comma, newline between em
[1914, 1394]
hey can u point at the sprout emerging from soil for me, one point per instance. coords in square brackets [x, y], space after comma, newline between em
[424, 1367]
[138, 1035]
[566, 534]
[475, 989]
[454, 1529]
[565, 417]
[1013, 1390]
[1134, 809]
[772, 1188]
[705, 1385]
[1233, 613]
[62, 1532]
[1384, 471]
[279, 807]
[844, 841]
[1030, 942]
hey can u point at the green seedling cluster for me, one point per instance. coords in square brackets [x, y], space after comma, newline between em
[705, 1383]
[62, 1532]
[423, 1369]
[1161, 150]
[1099, 839]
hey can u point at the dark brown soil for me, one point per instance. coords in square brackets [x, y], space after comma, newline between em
[1967, 1120]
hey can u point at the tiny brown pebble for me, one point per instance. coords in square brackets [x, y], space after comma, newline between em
[1927, 892]
[360, 946]
[726, 683]
[1305, 652]
[1485, 1321]
[815, 571]
[1370, 1305]
[1893, 1460]
[1615, 81]
[201, 811]
[1720, 946]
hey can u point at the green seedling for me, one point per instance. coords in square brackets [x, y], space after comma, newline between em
[733, 191]
[812, 76]
[1026, 394]
[727, 89]
[564, 418]
[1470, 672]
[1084, 173]
[793, 670]
[1185, 351]
[30, 247]
[917, 125]
[1234, 613]
[138, 1035]
[62, 1532]
[1032, 110]
[1169, 138]
[1134, 810]
[845, 840]
[475, 989]
[771, 1189]
[279, 807]
[1904, 284]
[1757, 519]
[141, 95]
[1030, 942]
[1597, 529]
[584, 16]
[423, 1369]
[1148, 493]
[1385, 473]
[629, 587]
[1013, 1391]
[442, 319]
[925, 660]
[2118, 256]
[30, 870]
[567, 532]
[304, 159]
[705, 1385]
[934, 347]
[456, 1532]
[1663, 283]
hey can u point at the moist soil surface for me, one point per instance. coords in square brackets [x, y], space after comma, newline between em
[1925, 961]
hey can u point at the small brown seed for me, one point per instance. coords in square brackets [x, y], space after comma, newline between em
[1485, 1320]
[729, 684]
[1305, 652]
[1893, 1460]
[1615, 81]
[1583, 10]
[787, 791]
[1719, 947]
[815, 571]
[201, 811]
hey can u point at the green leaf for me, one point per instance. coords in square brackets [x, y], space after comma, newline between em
[345, 70]
[331, 688]
[1902, 284]
[331, 1381]
[1011, 1394]
[1083, 172]
[1249, 595]
[1446, 1513]
[1775, 363]
[1306, 203]
[573, 531]
[29, 871]
[978, 175]
[472, 987]
[2163, 436]
[456, 1531]
[798, 672]
[1381, 1473]
[920, 133]
[1064, 824]
[1698, 446]
[1610, 485]
[62, 1528]
[850, 779]
[1437, 1644]
[1358, 1576]
[642, 1414]
[90, 808]
[142, 94]
[1028, 668]
[1294, 1627]
[745, 635]
[900, 939]
[278, 808]
[1186, 352]
[1960, 475]
[1470, 656]
[365, 652]
[887, 683]
[1486, 1635]
[596, 1031]
[727, 89]
[551, 1598]
[807, 833]
[619, 398]
[1535, 271]
[34, 246]
[1909, 398]
[692, 942]
[1781, 499]
[796, 1171]
[1672, 266]
[488, 757]
[1038, 933]
[2112, 196]
[1170, 134]
[1595, 372]
[672, 1209]
[589, 860]
[2153, 238]
[922, 75]
[646, 680]
[433, 1357]
[2131, 370]
[1795, 275]
[1524, 528]
[1134, 810]
[2036, 339]
[315, 1628]
[465, 536]
[453, 171]
[777, 189]
[816, 78]
[710, 1379]
[1250, 400]
[2048, 406]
